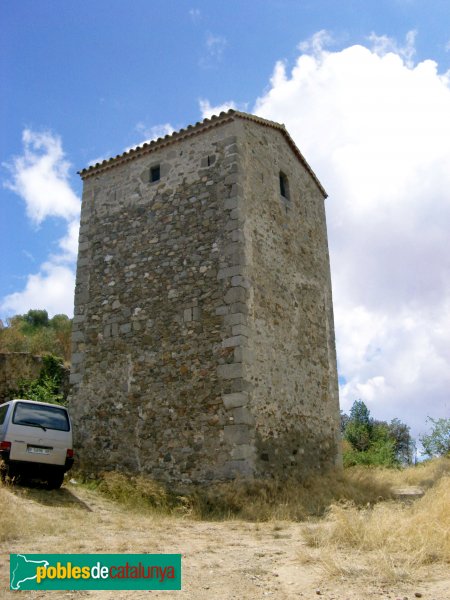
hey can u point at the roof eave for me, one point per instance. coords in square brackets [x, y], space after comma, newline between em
[190, 130]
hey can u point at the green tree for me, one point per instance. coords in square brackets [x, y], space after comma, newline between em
[360, 413]
[359, 427]
[370, 442]
[404, 444]
[344, 422]
[437, 443]
[36, 318]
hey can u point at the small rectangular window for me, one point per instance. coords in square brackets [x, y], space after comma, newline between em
[155, 173]
[208, 161]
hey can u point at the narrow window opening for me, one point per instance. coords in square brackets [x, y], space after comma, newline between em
[207, 161]
[155, 173]
[284, 186]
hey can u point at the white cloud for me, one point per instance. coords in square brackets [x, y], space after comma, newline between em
[214, 49]
[151, 133]
[69, 243]
[40, 176]
[216, 45]
[50, 289]
[208, 111]
[316, 43]
[383, 44]
[375, 128]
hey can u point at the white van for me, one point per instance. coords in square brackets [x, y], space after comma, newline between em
[35, 441]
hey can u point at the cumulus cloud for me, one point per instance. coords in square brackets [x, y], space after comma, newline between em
[375, 127]
[50, 289]
[316, 43]
[40, 176]
[151, 133]
[207, 111]
[69, 243]
[383, 44]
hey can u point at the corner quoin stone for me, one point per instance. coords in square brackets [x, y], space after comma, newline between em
[203, 328]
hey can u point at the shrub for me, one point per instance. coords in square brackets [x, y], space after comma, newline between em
[47, 387]
[437, 443]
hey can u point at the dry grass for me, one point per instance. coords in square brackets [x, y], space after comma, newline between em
[267, 500]
[285, 500]
[421, 529]
[395, 539]
[136, 492]
[294, 500]
[21, 520]
[366, 537]
[423, 475]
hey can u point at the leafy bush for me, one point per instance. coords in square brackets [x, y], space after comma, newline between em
[437, 443]
[47, 387]
[370, 442]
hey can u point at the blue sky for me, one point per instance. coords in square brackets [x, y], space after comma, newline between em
[362, 86]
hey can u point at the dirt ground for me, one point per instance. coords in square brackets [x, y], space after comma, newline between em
[220, 560]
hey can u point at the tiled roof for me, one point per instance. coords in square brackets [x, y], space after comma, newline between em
[190, 130]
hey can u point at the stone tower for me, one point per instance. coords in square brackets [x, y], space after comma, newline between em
[203, 341]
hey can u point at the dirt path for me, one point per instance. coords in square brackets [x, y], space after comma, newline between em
[220, 560]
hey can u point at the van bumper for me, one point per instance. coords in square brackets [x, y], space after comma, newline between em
[35, 469]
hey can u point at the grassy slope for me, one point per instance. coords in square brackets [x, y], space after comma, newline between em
[350, 526]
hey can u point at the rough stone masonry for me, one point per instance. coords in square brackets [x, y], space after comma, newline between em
[203, 339]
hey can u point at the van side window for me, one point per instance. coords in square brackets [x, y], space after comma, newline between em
[3, 411]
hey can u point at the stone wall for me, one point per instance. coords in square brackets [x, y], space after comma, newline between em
[148, 327]
[291, 374]
[203, 343]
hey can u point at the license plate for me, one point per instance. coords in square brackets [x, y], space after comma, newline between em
[33, 450]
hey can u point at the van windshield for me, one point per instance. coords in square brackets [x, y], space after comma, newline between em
[37, 415]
